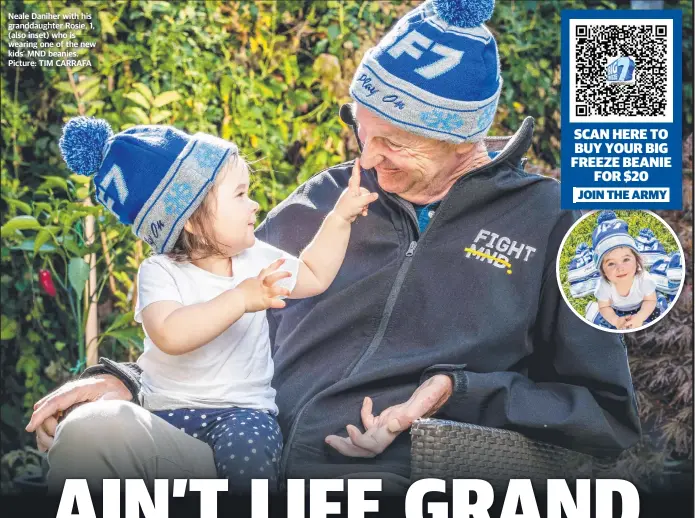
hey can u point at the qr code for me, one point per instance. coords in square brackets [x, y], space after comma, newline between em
[622, 71]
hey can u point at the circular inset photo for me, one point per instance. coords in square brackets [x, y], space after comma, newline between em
[620, 271]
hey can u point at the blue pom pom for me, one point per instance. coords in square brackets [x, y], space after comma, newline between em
[646, 233]
[464, 13]
[605, 216]
[82, 144]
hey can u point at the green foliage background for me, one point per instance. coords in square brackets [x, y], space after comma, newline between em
[269, 75]
[636, 220]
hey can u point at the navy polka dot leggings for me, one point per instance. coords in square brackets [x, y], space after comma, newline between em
[246, 443]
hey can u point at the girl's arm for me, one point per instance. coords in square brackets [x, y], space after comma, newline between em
[321, 260]
[648, 305]
[604, 307]
[176, 329]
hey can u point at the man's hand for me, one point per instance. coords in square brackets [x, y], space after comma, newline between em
[380, 431]
[49, 409]
[355, 200]
[261, 293]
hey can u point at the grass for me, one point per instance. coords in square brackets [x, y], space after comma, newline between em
[636, 220]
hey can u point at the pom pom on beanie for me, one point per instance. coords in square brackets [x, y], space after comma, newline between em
[606, 215]
[82, 144]
[464, 13]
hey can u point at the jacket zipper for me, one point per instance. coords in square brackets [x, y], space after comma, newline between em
[386, 314]
[388, 309]
[390, 303]
[376, 340]
[395, 291]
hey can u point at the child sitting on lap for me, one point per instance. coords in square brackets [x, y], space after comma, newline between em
[626, 292]
[202, 298]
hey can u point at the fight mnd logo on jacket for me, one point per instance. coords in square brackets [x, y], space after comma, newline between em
[498, 250]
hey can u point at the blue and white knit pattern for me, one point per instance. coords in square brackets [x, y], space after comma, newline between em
[674, 272]
[433, 78]
[659, 272]
[610, 232]
[181, 191]
[585, 286]
[649, 247]
[582, 264]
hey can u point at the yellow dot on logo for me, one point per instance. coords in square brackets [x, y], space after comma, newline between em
[509, 272]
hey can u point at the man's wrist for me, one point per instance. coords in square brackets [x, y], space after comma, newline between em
[446, 379]
[455, 372]
[128, 374]
[108, 384]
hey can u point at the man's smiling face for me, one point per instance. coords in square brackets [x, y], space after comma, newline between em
[411, 166]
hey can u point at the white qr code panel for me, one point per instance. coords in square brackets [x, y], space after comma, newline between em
[621, 70]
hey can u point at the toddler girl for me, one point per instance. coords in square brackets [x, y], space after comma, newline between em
[626, 292]
[202, 298]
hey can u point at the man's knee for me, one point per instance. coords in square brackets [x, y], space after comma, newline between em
[101, 439]
[117, 439]
[101, 423]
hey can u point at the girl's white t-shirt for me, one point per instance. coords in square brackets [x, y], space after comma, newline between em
[234, 369]
[642, 285]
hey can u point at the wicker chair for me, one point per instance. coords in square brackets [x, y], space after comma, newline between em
[449, 449]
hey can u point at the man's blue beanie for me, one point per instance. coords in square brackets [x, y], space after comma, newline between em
[436, 73]
[150, 177]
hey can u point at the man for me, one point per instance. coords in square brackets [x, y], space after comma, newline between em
[447, 303]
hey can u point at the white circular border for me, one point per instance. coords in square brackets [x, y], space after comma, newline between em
[619, 331]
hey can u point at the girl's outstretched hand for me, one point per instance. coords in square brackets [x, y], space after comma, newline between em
[355, 200]
[261, 292]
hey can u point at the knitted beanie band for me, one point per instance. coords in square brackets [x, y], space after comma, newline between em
[418, 111]
[181, 191]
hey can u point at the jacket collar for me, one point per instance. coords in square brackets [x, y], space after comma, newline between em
[512, 148]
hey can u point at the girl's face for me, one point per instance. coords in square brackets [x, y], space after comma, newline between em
[619, 265]
[233, 213]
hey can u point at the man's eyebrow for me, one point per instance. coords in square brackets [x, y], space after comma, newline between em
[397, 139]
[241, 186]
